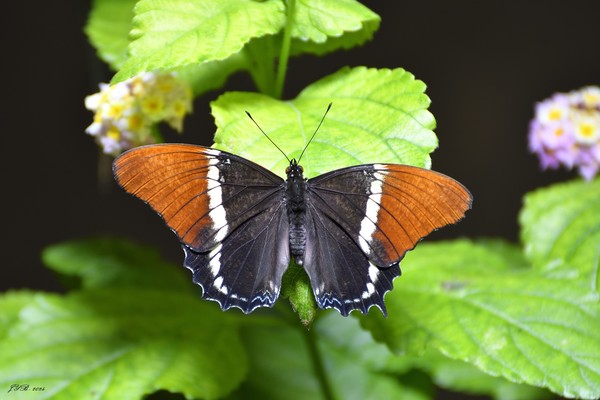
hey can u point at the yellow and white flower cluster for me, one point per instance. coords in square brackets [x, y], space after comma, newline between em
[126, 111]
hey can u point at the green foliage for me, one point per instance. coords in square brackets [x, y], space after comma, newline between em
[466, 300]
[355, 365]
[112, 262]
[385, 108]
[321, 26]
[484, 317]
[89, 343]
[11, 304]
[116, 330]
[235, 35]
[176, 33]
[561, 232]
[118, 342]
[108, 28]
[464, 377]
[529, 316]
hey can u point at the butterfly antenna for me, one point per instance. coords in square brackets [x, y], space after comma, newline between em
[313, 135]
[270, 140]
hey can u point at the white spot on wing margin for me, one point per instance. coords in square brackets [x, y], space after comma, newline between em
[218, 284]
[215, 260]
[370, 290]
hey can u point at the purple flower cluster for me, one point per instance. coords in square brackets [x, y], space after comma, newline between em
[566, 131]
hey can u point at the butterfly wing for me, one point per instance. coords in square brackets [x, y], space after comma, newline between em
[228, 213]
[372, 215]
[341, 275]
[245, 270]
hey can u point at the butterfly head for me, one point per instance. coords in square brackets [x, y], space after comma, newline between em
[294, 171]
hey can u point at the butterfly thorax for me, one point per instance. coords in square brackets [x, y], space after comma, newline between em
[296, 209]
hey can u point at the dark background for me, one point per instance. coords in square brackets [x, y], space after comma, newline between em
[485, 64]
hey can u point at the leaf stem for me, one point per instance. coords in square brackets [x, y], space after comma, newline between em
[317, 361]
[285, 49]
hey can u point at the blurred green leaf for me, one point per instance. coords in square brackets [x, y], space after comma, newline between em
[377, 116]
[112, 262]
[11, 304]
[322, 26]
[355, 366]
[211, 74]
[108, 27]
[280, 366]
[467, 301]
[168, 34]
[359, 367]
[561, 231]
[122, 344]
[460, 376]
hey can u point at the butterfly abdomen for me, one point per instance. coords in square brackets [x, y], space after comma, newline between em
[296, 210]
[297, 242]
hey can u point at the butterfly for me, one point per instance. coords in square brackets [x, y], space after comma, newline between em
[240, 224]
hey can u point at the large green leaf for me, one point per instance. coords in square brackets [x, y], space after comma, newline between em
[122, 344]
[321, 26]
[108, 29]
[111, 262]
[561, 231]
[168, 34]
[377, 116]
[467, 301]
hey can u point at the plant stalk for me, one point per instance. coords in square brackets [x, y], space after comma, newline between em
[285, 49]
[317, 361]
